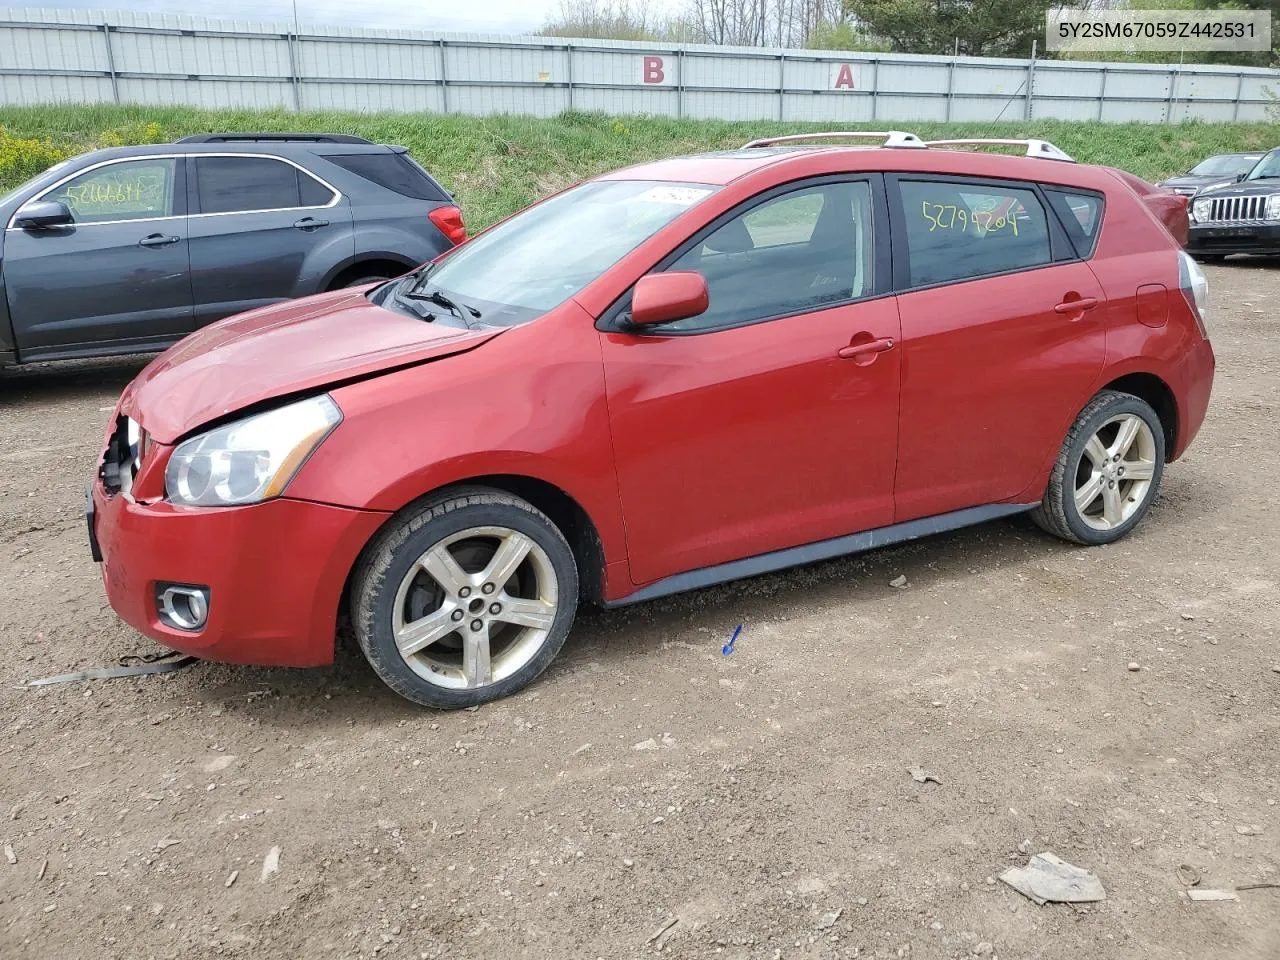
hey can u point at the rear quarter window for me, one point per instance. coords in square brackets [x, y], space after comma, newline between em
[1081, 217]
[391, 171]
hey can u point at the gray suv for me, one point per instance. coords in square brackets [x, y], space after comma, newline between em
[127, 250]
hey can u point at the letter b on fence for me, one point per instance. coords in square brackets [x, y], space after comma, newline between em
[653, 72]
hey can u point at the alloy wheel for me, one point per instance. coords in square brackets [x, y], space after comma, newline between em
[1113, 477]
[475, 608]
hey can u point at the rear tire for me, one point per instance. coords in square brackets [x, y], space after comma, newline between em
[465, 598]
[1108, 472]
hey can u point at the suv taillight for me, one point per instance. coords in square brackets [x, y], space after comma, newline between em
[449, 220]
[1195, 287]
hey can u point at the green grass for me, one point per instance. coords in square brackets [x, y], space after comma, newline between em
[496, 165]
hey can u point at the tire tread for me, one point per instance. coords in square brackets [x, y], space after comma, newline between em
[1051, 515]
[369, 578]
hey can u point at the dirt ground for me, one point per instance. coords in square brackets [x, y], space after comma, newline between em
[760, 803]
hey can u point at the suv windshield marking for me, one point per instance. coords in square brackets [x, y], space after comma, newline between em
[94, 166]
[333, 202]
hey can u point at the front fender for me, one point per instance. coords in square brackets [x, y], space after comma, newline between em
[529, 403]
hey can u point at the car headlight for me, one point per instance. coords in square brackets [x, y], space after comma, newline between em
[1200, 209]
[1272, 211]
[250, 460]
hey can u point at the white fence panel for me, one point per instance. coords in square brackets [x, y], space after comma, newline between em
[340, 59]
[904, 108]
[912, 77]
[49, 55]
[730, 73]
[372, 97]
[52, 49]
[209, 94]
[19, 90]
[653, 100]
[836, 108]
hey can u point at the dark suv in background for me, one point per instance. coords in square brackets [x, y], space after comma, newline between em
[127, 250]
[1238, 217]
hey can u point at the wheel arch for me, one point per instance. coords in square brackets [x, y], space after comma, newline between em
[360, 262]
[1159, 396]
[1139, 382]
[564, 511]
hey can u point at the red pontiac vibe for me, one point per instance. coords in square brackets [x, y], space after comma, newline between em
[674, 375]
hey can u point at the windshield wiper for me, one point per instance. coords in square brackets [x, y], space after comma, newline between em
[419, 311]
[440, 300]
[436, 296]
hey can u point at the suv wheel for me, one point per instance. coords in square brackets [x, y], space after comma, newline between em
[365, 279]
[466, 600]
[1108, 472]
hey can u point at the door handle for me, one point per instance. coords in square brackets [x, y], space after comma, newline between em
[1076, 306]
[855, 351]
[310, 223]
[157, 240]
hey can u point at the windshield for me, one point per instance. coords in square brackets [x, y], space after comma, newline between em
[12, 194]
[1267, 168]
[1224, 166]
[541, 257]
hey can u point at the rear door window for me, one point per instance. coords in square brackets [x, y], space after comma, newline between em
[247, 184]
[960, 230]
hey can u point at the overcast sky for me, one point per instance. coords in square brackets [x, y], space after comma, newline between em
[489, 16]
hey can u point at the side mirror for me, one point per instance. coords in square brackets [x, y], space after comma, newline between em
[44, 213]
[1240, 176]
[665, 297]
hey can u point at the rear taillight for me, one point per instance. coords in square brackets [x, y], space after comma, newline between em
[449, 220]
[1195, 287]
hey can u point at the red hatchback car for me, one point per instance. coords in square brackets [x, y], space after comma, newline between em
[673, 375]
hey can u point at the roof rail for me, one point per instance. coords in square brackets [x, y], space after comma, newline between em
[273, 138]
[1041, 149]
[891, 138]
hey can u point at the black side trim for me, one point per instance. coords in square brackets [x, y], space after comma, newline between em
[95, 550]
[274, 138]
[822, 550]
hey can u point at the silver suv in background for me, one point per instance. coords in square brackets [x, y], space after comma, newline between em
[129, 249]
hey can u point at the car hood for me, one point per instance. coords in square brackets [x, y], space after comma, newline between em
[1187, 182]
[276, 351]
[1249, 188]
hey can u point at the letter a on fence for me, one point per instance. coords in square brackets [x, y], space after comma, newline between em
[844, 79]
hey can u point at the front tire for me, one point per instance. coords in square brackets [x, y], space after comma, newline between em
[1108, 472]
[466, 599]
